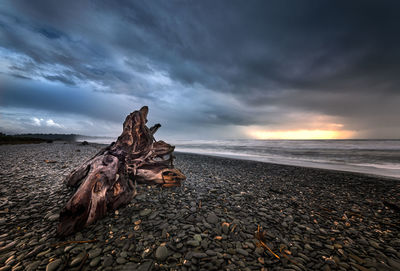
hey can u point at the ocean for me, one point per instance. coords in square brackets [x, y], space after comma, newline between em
[377, 157]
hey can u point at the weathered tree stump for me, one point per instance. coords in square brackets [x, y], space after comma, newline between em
[106, 181]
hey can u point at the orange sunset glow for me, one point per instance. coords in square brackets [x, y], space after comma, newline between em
[301, 134]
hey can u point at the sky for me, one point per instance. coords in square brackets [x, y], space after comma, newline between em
[206, 69]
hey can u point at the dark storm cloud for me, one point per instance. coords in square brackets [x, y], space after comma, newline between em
[61, 99]
[50, 33]
[59, 78]
[233, 62]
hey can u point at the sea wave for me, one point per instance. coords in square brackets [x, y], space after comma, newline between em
[379, 157]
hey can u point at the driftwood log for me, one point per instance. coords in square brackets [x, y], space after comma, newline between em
[108, 179]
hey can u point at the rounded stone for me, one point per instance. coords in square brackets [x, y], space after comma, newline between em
[212, 218]
[107, 261]
[162, 253]
[121, 260]
[94, 253]
[197, 237]
[193, 243]
[53, 265]
[242, 251]
[33, 266]
[95, 262]
[54, 217]
[199, 255]
[145, 212]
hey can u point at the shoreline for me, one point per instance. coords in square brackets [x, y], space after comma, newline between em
[369, 171]
[315, 219]
[238, 157]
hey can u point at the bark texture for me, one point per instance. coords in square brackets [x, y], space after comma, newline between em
[106, 181]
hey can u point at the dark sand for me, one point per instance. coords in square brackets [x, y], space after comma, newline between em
[315, 219]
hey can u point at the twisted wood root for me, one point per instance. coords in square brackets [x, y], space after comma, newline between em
[106, 181]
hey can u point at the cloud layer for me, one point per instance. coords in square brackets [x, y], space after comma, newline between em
[208, 69]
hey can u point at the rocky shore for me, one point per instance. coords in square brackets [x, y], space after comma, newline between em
[313, 219]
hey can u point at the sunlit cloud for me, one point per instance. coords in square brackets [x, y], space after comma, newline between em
[42, 122]
[51, 123]
[36, 121]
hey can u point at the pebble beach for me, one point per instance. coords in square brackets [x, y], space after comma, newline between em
[310, 219]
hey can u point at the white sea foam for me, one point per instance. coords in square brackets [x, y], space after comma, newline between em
[379, 157]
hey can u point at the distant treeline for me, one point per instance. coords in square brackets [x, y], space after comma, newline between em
[61, 137]
[35, 138]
